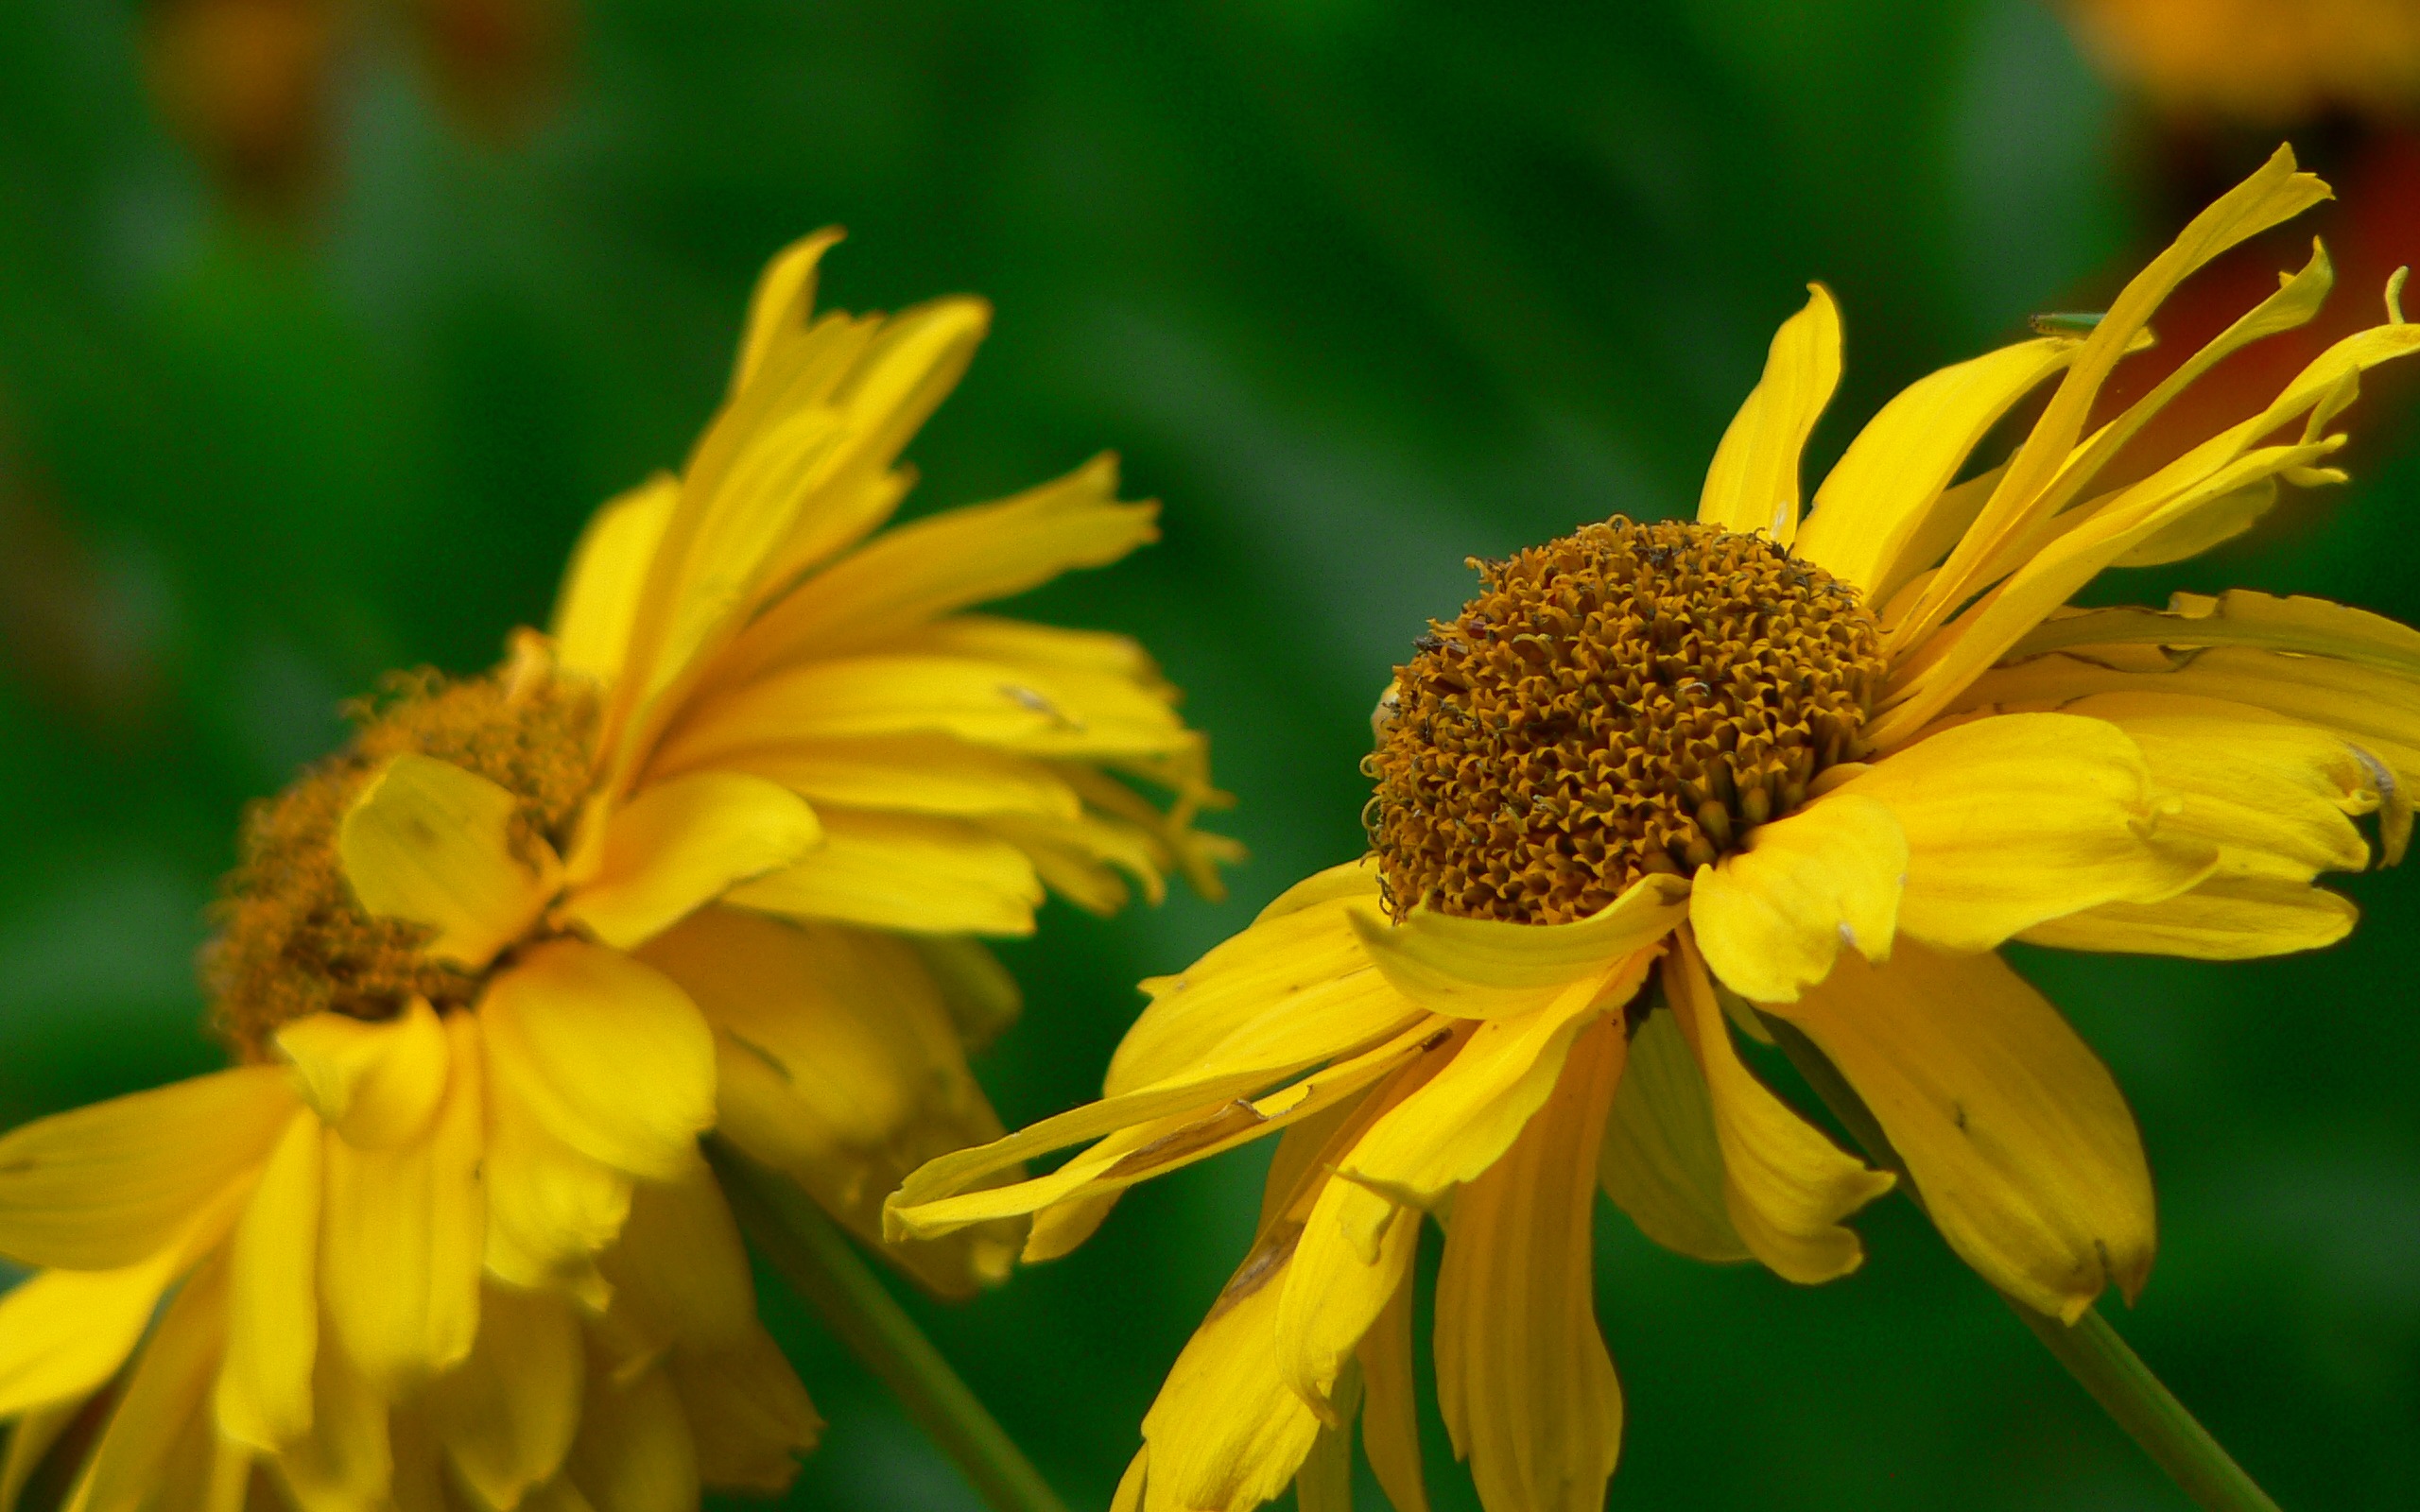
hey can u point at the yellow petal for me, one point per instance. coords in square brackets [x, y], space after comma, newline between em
[403, 1232]
[782, 300]
[375, 1084]
[1753, 483]
[1522, 1380]
[2023, 818]
[273, 1297]
[1487, 968]
[1295, 988]
[1038, 709]
[167, 1392]
[1875, 501]
[2012, 1128]
[1771, 917]
[679, 1275]
[2270, 196]
[1224, 1433]
[506, 1416]
[348, 1462]
[903, 871]
[599, 599]
[683, 843]
[1352, 1257]
[1138, 1152]
[838, 1065]
[1390, 1411]
[2047, 577]
[1786, 1186]
[1460, 1122]
[913, 774]
[748, 1414]
[2273, 795]
[634, 1452]
[1661, 1162]
[550, 1208]
[112, 1184]
[2226, 918]
[948, 561]
[608, 1055]
[431, 843]
[2239, 616]
[64, 1332]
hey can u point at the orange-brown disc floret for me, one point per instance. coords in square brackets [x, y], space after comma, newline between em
[293, 940]
[1630, 698]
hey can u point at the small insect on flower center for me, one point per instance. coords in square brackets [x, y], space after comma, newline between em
[1630, 698]
[293, 939]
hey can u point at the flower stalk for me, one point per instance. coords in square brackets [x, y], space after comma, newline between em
[2101, 1362]
[820, 1263]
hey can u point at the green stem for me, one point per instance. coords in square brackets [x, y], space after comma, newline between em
[818, 1261]
[2101, 1362]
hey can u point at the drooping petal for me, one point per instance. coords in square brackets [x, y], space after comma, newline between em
[550, 1208]
[748, 1414]
[403, 1231]
[2239, 616]
[2023, 818]
[2226, 918]
[679, 1275]
[112, 1184]
[1522, 1380]
[2275, 795]
[599, 599]
[837, 1066]
[1489, 968]
[1771, 917]
[2018, 1141]
[273, 1296]
[348, 1461]
[1786, 1186]
[1873, 502]
[1295, 988]
[1462, 1121]
[505, 1417]
[682, 844]
[1753, 483]
[375, 1084]
[634, 1452]
[431, 843]
[169, 1390]
[907, 872]
[1662, 1161]
[609, 1056]
[1390, 1411]
[1224, 1433]
[64, 1332]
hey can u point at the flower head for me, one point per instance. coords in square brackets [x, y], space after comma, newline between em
[1660, 784]
[712, 855]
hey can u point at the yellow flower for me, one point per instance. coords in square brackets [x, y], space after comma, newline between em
[2263, 62]
[1655, 774]
[710, 855]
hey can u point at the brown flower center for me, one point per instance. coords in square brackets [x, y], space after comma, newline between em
[293, 940]
[1630, 698]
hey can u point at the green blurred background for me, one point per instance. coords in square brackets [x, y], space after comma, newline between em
[1358, 289]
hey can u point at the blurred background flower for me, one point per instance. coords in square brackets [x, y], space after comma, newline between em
[1358, 290]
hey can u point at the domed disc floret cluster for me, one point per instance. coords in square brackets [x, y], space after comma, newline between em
[1630, 698]
[294, 941]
